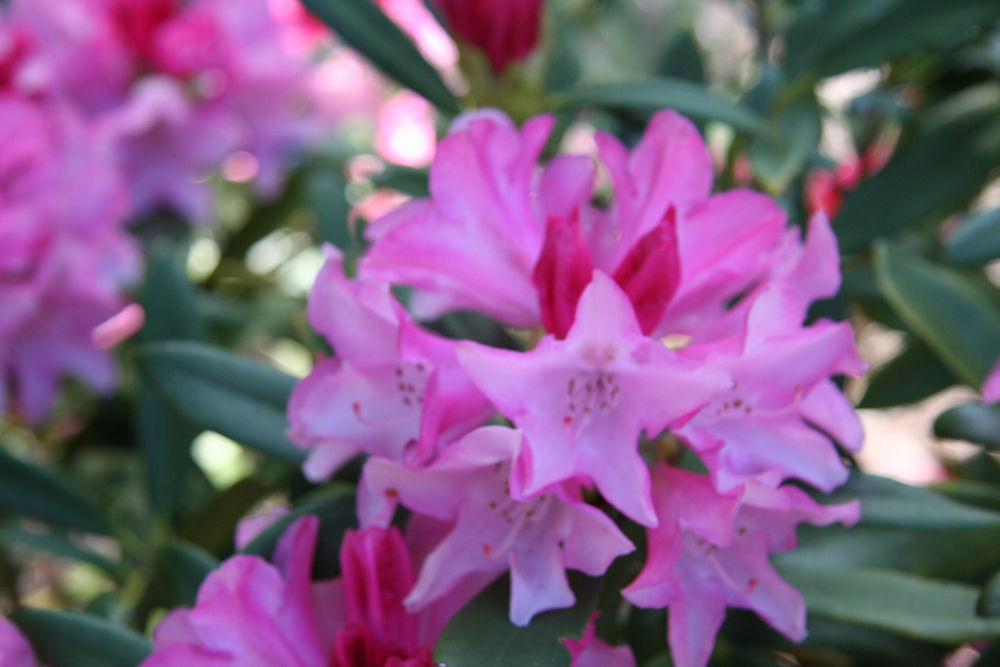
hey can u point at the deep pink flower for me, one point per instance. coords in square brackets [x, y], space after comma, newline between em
[991, 385]
[393, 388]
[251, 612]
[582, 402]
[15, 651]
[710, 552]
[536, 538]
[506, 30]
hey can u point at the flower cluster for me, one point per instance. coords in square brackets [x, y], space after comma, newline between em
[671, 319]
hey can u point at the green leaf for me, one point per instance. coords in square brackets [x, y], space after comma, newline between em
[651, 95]
[362, 25]
[334, 506]
[778, 160]
[923, 183]
[56, 545]
[976, 241]
[974, 422]
[219, 391]
[68, 639]
[902, 527]
[989, 600]
[926, 609]
[44, 494]
[325, 191]
[910, 376]
[182, 567]
[213, 527]
[408, 180]
[482, 635]
[840, 35]
[165, 440]
[949, 312]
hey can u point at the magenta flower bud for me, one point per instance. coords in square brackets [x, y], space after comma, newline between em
[506, 30]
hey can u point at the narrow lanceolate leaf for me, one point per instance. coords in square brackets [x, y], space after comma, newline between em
[911, 376]
[165, 439]
[974, 422]
[182, 567]
[928, 609]
[43, 494]
[223, 392]
[977, 240]
[835, 36]
[888, 201]
[650, 95]
[947, 310]
[361, 24]
[68, 639]
[905, 528]
[481, 635]
[989, 599]
[54, 544]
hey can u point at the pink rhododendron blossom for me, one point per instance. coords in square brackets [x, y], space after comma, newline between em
[252, 612]
[506, 30]
[393, 385]
[405, 131]
[712, 553]
[591, 395]
[537, 538]
[592, 651]
[15, 651]
[63, 259]
[764, 422]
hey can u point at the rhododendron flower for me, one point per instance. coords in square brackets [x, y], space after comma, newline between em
[15, 651]
[390, 386]
[710, 552]
[590, 396]
[252, 612]
[537, 538]
[63, 259]
[991, 385]
[506, 30]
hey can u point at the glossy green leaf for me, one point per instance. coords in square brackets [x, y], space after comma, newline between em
[481, 635]
[989, 599]
[362, 25]
[223, 392]
[976, 241]
[68, 639]
[924, 183]
[902, 527]
[929, 609]
[165, 439]
[45, 494]
[325, 191]
[55, 545]
[651, 95]
[949, 312]
[910, 376]
[974, 422]
[778, 160]
[182, 567]
[407, 180]
[334, 506]
[835, 36]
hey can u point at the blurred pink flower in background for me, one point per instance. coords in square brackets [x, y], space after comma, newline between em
[63, 259]
[15, 651]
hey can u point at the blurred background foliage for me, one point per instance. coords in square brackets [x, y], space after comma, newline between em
[886, 113]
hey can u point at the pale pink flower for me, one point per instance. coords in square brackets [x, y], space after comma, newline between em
[405, 130]
[590, 396]
[393, 389]
[711, 551]
[536, 538]
[991, 386]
